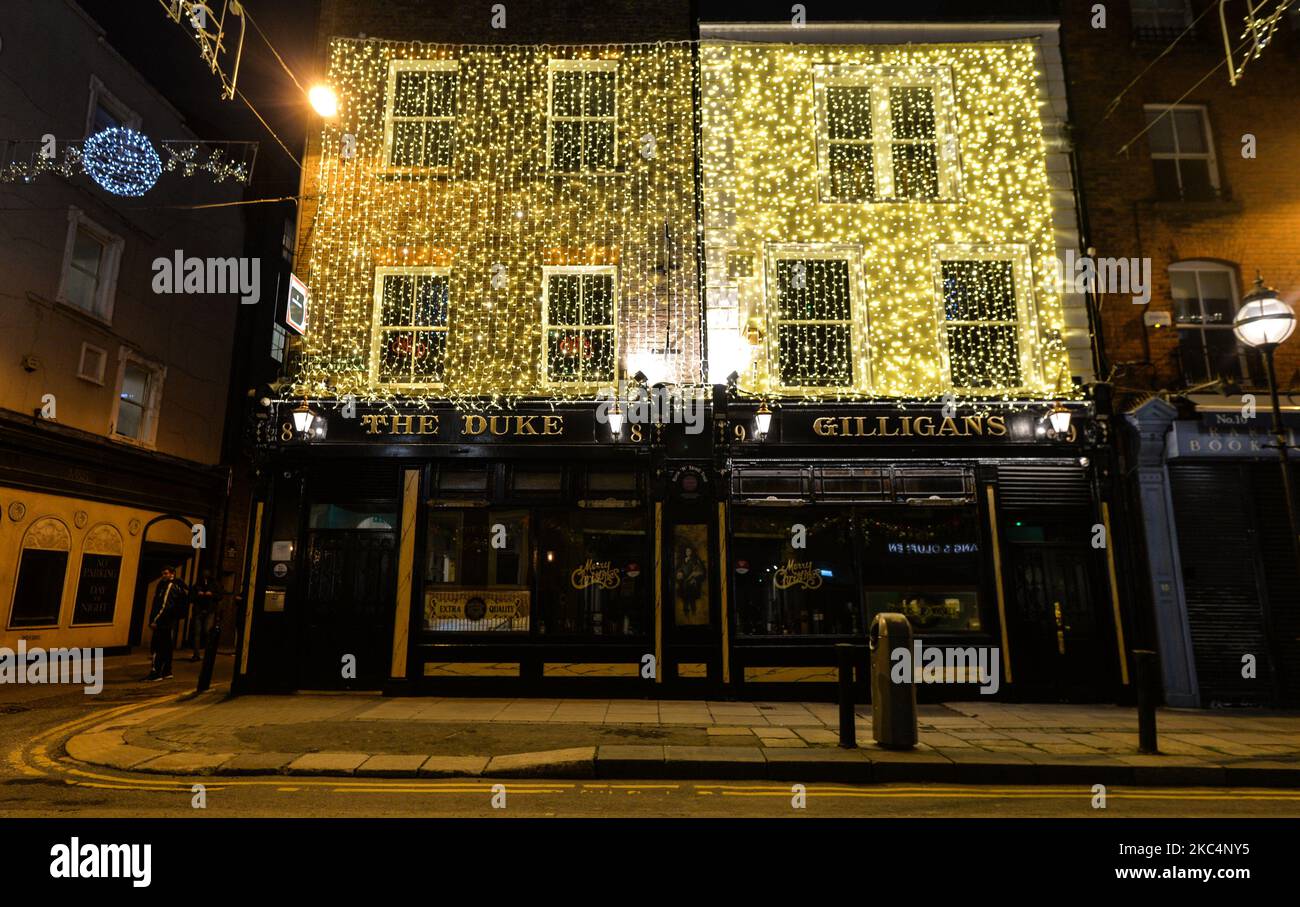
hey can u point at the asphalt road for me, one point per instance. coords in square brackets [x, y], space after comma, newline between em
[47, 785]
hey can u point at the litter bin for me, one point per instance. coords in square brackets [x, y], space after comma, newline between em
[893, 705]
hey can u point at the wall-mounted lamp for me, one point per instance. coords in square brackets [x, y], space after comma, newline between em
[615, 416]
[1059, 418]
[763, 420]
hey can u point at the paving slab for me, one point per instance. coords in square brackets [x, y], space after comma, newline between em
[326, 763]
[729, 762]
[108, 748]
[843, 766]
[621, 760]
[573, 762]
[909, 765]
[384, 766]
[256, 763]
[453, 766]
[185, 763]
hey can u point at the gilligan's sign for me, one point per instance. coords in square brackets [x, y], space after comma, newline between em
[813, 425]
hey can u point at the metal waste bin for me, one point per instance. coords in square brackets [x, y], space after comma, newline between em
[893, 705]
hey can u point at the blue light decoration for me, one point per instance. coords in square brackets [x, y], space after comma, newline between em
[122, 161]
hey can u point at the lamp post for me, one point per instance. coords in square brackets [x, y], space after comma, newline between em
[1263, 322]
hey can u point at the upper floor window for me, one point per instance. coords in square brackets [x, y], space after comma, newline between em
[1182, 152]
[1160, 20]
[1205, 303]
[420, 116]
[812, 319]
[582, 119]
[410, 326]
[885, 134]
[139, 398]
[985, 303]
[579, 324]
[90, 262]
[106, 111]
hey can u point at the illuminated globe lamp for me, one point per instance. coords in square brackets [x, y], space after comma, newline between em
[1264, 320]
[122, 161]
[324, 100]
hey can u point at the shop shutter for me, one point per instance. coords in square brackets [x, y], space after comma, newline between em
[343, 481]
[1278, 562]
[1217, 546]
[1036, 486]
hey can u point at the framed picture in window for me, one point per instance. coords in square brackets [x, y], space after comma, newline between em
[295, 311]
[691, 575]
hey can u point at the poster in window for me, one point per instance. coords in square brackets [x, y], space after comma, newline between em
[691, 575]
[97, 589]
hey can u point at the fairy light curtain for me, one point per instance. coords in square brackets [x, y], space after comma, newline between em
[878, 222]
[495, 223]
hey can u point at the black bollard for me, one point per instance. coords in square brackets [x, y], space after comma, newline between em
[1148, 694]
[209, 656]
[848, 721]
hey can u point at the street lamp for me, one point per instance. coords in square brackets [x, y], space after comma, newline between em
[615, 417]
[303, 418]
[1059, 418]
[1263, 322]
[323, 100]
[763, 419]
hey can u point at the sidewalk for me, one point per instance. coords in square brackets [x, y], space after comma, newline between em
[970, 742]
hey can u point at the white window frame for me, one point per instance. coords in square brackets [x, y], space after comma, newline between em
[881, 80]
[98, 376]
[859, 333]
[1176, 155]
[110, 260]
[1027, 329]
[1196, 265]
[577, 270]
[390, 99]
[101, 96]
[149, 420]
[554, 66]
[377, 330]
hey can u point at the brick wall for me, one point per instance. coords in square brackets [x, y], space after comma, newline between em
[1255, 226]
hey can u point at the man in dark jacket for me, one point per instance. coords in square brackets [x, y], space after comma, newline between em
[169, 600]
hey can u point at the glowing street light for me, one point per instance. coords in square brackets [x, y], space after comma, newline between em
[324, 100]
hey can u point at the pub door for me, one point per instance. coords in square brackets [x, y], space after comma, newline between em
[349, 595]
[1055, 641]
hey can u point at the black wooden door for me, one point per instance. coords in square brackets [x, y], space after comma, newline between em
[1055, 641]
[350, 598]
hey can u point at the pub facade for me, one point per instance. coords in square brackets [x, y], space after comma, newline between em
[617, 382]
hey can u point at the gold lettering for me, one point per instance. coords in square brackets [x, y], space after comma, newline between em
[475, 425]
[500, 425]
[524, 425]
[402, 425]
[824, 427]
[997, 426]
[862, 426]
[884, 428]
[974, 425]
[374, 424]
[552, 425]
[924, 426]
[907, 426]
[428, 425]
[949, 427]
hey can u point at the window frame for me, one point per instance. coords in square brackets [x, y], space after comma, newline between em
[939, 79]
[377, 329]
[18, 566]
[1028, 338]
[580, 271]
[97, 378]
[391, 118]
[1216, 182]
[554, 65]
[101, 96]
[153, 406]
[1194, 266]
[859, 329]
[1159, 32]
[110, 260]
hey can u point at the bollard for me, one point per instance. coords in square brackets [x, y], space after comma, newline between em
[1148, 694]
[848, 726]
[209, 656]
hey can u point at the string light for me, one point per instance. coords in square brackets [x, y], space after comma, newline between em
[450, 179]
[122, 161]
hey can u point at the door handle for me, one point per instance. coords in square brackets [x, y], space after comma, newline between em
[1061, 627]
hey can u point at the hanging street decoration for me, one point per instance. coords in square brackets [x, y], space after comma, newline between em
[126, 162]
[208, 29]
[122, 161]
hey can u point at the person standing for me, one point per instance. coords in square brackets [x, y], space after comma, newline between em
[202, 611]
[168, 606]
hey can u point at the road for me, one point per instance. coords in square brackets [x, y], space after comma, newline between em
[36, 780]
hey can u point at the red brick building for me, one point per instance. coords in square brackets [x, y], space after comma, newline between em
[1182, 170]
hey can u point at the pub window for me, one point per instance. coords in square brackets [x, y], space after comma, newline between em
[42, 568]
[595, 574]
[95, 601]
[582, 108]
[923, 562]
[984, 304]
[1205, 304]
[813, 317]
[579, 308]
[463, 480]
[1182, 152]
[885, 134]
[410, 326]
[785, 590]
[420, 116]
[476, 571]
